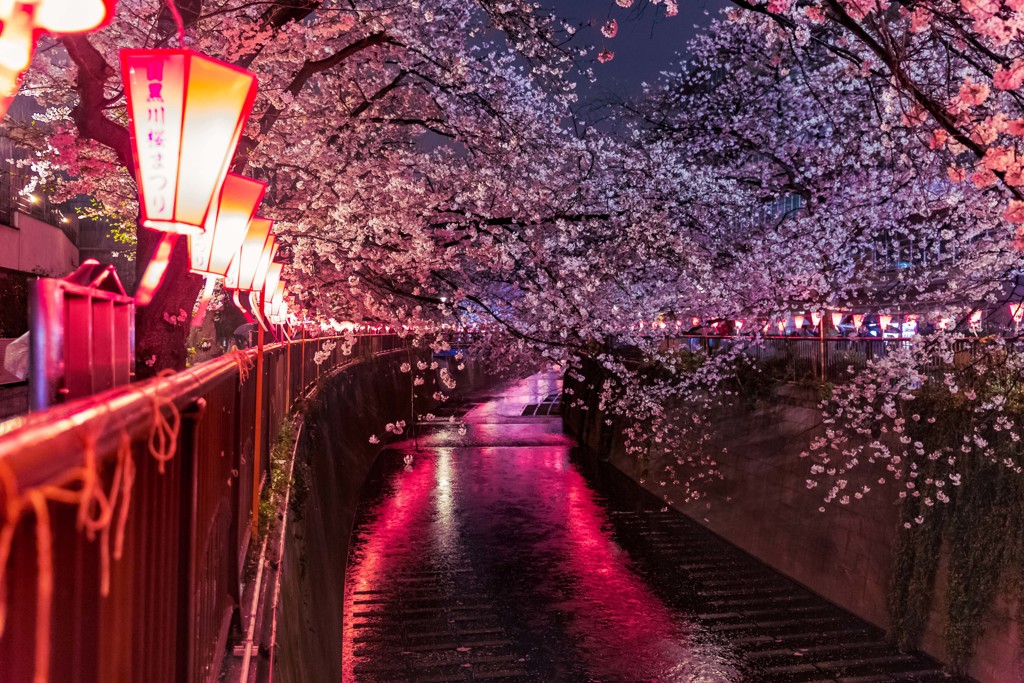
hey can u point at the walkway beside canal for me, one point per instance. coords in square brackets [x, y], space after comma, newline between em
[505, 553]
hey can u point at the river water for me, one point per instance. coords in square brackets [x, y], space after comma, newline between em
[503, 554]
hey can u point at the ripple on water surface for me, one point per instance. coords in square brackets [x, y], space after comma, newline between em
[500, 559]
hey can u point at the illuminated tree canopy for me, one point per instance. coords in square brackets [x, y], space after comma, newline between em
[425, 166]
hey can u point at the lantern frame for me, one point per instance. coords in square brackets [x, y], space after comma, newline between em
[244, 267]
[186, 114]
[211, 252]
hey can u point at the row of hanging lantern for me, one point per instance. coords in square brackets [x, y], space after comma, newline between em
[796, 323]
[856, 320]
[186, 116]
[24, 21]
[187, 113]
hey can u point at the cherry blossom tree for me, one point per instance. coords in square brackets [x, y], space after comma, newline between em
[425, 168]
[387, 133]
[890, 130]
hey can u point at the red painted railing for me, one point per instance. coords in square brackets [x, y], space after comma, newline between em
[145, 493]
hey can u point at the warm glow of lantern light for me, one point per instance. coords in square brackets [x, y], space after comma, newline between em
[1017, 312]
[273, 278]
[211, 252]
[186, 114]
[23, 23]
[266, 260]
[242, 273]
[277, 299]
[836, 319]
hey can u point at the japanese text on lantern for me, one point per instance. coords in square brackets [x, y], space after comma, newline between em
[158, 81]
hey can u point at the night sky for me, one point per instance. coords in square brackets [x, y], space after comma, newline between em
[647, 42]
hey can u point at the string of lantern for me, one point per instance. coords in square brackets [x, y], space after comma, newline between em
[186, 114]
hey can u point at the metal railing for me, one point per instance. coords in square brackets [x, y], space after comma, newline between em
[94, 499]
[829, 359]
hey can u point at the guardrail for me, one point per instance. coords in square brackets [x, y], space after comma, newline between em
[125, 517]
[794, 358]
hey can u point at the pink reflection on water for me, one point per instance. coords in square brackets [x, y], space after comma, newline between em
[531, 527]
[386, 547]
[625, 631]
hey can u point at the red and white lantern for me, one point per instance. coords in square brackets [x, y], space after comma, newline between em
[242, 273]
[186, 114]
[1017, 312]
[212, 251]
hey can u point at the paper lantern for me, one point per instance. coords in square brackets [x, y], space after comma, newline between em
[273, 278]
[815, 318]
[242, 271]
[259, 282]
[186, 114]
[211, 252]
[883, 322]
[276, 298]
[858, 320]
[782, 326]
[798, 322]
[1017, 311]
[738, 324]
[837, 318]
[23, 23]
[72, 16]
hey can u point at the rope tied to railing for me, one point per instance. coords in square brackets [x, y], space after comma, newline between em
[99, 511]
[16, 504]
[163, 437]
[83, 487]
[245, 365]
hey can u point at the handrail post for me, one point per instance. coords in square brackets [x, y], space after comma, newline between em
[821, 338]
[258, 438]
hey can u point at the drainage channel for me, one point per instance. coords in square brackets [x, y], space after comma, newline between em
[501, 552]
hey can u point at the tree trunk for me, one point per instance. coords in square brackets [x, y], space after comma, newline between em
[162, 327]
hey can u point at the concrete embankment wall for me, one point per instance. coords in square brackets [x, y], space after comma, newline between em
[764, 506]
[334, 457]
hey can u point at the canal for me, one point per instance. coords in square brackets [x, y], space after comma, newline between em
[506, 553]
